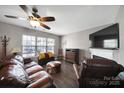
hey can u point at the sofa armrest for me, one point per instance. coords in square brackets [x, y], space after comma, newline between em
[27, 60]
[42, 82]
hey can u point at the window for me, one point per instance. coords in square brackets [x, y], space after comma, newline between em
[28, 45]
[110, 43]
[41, 44]
[31, 45]
[50, 45]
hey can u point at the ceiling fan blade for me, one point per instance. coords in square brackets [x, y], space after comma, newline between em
[35, 15]
[9, 16]
[45, 26]
[15, 17]
[26, 10]
[34, 12]
[47, 19]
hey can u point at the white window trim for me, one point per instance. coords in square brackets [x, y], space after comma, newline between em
[36, 46]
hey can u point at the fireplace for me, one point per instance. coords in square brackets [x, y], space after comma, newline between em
[98, 57]
[104, 54]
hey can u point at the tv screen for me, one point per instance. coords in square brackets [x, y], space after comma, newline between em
[107, 38]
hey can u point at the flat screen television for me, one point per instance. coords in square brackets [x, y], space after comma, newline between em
[107, 38]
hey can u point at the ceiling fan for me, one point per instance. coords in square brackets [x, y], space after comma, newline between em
[34, 19]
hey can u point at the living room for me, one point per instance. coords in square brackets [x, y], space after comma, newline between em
[61, 44]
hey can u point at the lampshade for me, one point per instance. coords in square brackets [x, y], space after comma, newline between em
[15, 50]
[34, 23]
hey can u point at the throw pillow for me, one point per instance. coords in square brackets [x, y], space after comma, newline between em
[50, 54]
[46, 55]
[41, 56]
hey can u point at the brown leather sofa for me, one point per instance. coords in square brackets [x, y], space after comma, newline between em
[102, 73]
[16, 72]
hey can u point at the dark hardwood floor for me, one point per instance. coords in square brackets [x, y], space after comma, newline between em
[66, 78]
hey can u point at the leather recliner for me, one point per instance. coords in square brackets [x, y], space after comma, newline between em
[99, 73]
[17, 72]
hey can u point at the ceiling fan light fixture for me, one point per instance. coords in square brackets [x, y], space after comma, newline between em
[34, 23]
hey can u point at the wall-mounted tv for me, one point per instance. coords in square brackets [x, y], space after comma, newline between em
[107, 38]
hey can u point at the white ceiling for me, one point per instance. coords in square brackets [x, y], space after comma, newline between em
[69, 19]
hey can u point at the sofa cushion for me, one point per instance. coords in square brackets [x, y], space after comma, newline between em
[39, 75]
[40, 79]
[19, 58]
[34, 69]
[27, 60]
[28, 65]
[14, 61]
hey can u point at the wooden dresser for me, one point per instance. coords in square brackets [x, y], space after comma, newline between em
[72, 55]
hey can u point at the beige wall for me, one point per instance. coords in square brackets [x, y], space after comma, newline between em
[120, 20]
[15, 34]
